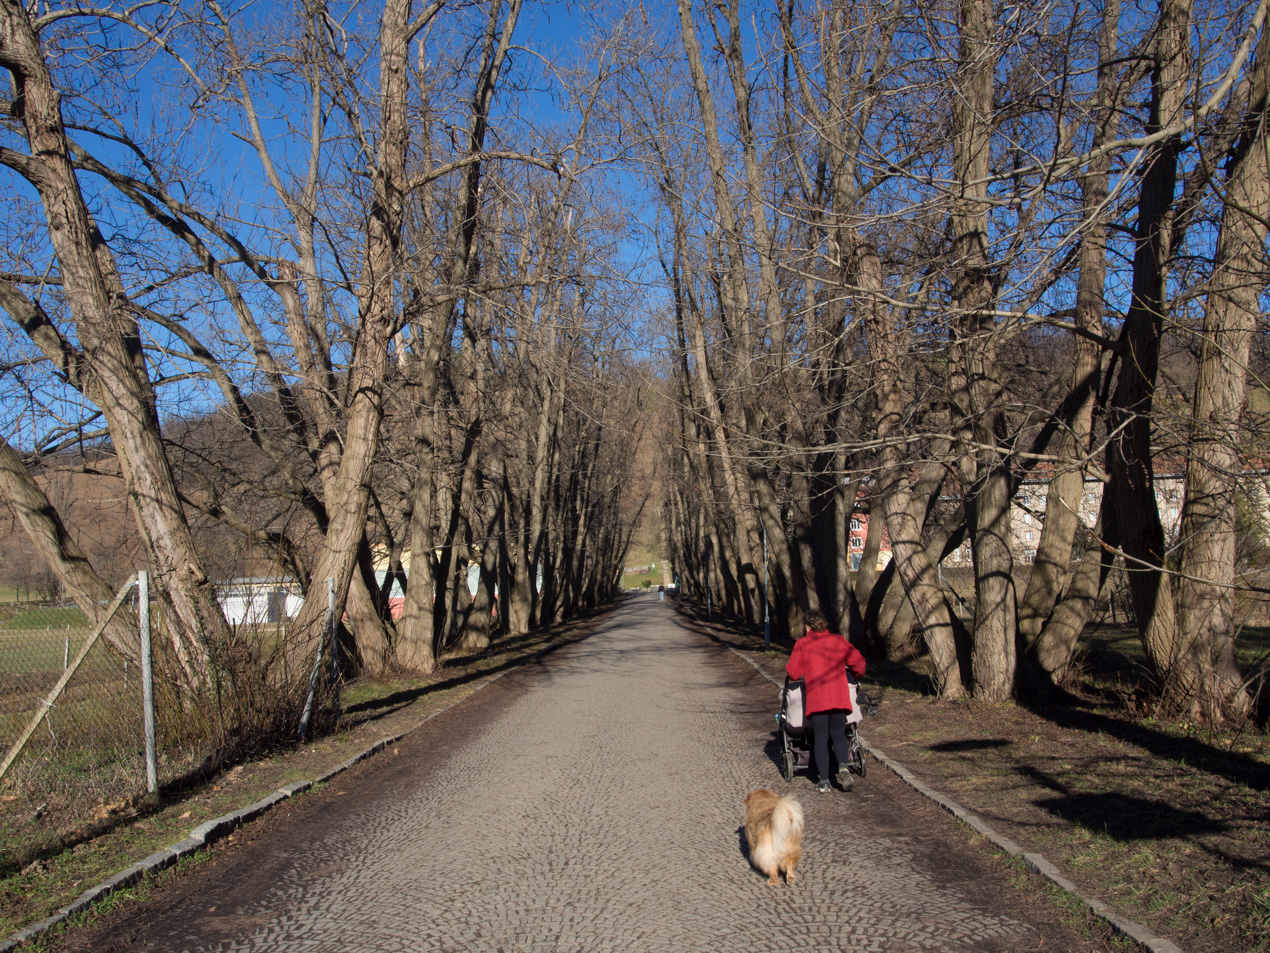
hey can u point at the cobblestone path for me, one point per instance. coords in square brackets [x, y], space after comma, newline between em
[591, 801]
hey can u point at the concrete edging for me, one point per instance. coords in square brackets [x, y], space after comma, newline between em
[1037, 863]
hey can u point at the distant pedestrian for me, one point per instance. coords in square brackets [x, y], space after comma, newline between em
[821, 659]
[661, 590]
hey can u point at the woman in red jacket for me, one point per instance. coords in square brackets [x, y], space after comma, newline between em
[821, 659]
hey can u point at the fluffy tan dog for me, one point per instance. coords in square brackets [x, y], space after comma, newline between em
[774, 831]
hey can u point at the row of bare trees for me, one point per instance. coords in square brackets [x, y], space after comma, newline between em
[316, 280]
[908, 257]
[919, 254]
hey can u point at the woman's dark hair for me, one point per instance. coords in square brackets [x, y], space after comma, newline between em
[816, 622]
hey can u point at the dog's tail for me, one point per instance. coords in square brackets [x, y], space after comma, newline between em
[787, 820]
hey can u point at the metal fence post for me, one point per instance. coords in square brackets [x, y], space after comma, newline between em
[147, 680]
[767, 603]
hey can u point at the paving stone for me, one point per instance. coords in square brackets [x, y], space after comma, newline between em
[159, 860]
[253, 811]
[593, 803]
[185, 847]
[600, 809]
[124, 879]
[32, 931]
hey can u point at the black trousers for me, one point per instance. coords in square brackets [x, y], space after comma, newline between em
[827, 726]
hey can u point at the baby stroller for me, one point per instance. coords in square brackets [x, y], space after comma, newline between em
[795, 730]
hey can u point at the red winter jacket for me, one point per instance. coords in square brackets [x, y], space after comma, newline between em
[821, 659]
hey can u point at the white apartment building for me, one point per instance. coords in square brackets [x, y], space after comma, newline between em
[1027, 513]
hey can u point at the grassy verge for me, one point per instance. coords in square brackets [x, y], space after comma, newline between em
[130, 831]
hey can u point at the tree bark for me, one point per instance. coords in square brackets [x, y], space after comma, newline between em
[977, 387]
[1130, 458]
[110, 340]
[1207, 681]
[1049, 647]
[416, 649]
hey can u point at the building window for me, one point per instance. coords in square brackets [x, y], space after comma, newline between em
[857, 542]
[1028, 536]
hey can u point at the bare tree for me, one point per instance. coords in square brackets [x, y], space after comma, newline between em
[107, 363]
[1207, 680]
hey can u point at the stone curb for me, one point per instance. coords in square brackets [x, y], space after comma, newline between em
[211, 831]
[1037, 863]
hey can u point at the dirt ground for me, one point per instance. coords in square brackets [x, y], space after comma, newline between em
[1169, 824]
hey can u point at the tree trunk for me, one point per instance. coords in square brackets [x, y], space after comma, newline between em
[110, 340]
[994, 656]
[915, 569]
[1130, 459]
[415, 650]
[1207, 681]
[1055, 647]
[416, 642]
[1049, 647]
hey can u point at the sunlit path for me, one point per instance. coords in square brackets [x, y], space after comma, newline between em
[592, 801]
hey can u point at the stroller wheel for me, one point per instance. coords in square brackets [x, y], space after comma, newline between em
[858, 764]
[787, 753]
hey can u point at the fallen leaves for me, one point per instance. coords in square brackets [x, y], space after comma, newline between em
[103, 811]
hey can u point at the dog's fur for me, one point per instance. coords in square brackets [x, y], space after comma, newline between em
[774, 831]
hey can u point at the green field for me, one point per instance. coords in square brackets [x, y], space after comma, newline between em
[645, 580]
[56, 618]
[36, 652]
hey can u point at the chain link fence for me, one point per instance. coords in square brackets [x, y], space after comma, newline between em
[73, 731]
[87, 753]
